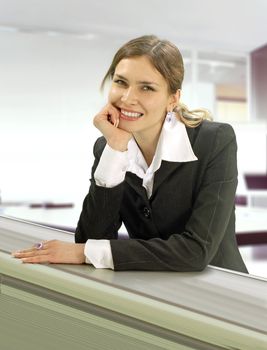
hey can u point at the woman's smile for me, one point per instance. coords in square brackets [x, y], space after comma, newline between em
[130, 115]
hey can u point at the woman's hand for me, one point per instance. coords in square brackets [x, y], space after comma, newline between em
[56, 252]
[107, 122]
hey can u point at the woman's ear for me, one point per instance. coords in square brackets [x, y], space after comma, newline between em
[174, 100]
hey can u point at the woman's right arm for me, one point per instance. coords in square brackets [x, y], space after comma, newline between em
[100, 218]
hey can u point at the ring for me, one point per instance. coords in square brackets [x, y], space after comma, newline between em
[39, 245]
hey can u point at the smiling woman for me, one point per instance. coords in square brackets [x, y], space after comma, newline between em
[167, 173]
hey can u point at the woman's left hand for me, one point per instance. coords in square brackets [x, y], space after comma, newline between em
[56, 252]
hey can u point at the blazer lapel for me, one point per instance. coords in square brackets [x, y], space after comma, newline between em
[161, 174]
[136, 183]
[191, 134]
[165, 170]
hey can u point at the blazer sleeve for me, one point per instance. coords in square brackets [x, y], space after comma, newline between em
[193, 249]
[100, 217]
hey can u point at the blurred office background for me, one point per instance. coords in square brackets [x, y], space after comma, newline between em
[53, 56]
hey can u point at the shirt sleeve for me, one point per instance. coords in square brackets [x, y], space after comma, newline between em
[98, 253]
[111, 168]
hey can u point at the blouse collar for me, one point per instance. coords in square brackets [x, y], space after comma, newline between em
[173, 146]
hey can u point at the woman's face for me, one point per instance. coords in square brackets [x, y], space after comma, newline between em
[141, 95]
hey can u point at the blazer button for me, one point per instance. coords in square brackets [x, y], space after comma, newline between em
[146, 212]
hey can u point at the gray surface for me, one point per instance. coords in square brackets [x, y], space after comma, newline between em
[233, 297]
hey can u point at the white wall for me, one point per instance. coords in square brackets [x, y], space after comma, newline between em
[49, 93]
[204, 97]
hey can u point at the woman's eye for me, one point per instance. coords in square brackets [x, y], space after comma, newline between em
[119, 82]
[148, 88]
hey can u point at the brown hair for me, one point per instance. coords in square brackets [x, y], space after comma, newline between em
[167, 59]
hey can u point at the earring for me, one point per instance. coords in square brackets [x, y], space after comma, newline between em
[170, 115]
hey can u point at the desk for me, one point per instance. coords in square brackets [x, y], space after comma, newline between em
[79, 307]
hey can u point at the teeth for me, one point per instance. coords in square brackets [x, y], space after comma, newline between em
[131, 114]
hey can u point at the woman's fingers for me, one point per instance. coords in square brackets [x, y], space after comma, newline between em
[53, 252]
[114, 116]
[35, 260]
[113, 120]
[32, 255]
[108, 114]
[117, 123]
[32, 249]
[28, 253]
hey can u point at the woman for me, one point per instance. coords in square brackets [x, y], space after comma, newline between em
[167, 173]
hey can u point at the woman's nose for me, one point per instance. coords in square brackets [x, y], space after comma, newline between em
[129, 96]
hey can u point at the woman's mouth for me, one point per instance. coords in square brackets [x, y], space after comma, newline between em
[132, 116]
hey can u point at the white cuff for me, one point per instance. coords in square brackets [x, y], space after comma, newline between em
[98, 253]
[111, 168]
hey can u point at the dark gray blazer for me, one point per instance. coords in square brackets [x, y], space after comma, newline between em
[188, 222]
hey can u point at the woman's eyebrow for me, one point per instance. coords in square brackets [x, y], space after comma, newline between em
[138, 82]
[147, 82]
[120, 77]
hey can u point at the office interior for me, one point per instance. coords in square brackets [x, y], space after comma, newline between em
[54, 55]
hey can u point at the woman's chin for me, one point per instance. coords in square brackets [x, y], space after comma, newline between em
[127, 126]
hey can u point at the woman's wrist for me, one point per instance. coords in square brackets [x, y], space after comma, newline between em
[118, 144]
[79, 247]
